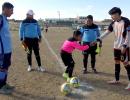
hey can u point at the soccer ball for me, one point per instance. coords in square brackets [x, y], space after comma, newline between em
[65, 88]
[74, 82]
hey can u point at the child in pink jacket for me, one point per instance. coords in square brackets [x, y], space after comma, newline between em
[66, 52]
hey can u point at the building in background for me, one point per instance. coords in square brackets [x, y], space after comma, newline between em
[67, 22]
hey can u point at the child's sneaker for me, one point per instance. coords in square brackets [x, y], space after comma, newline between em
[128, 87]
[42, 69]
[65, 76]
[29, 68]
[68, 80]
[114, 82]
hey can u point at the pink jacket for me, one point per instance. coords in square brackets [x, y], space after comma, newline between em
[69, 46]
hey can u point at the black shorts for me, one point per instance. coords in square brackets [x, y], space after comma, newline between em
[66, 58]
[122, 57]
[91, 50]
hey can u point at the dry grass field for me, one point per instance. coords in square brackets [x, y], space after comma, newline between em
[46, 86]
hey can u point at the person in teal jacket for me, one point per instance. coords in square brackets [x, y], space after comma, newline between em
[30, 35]
[90, 32]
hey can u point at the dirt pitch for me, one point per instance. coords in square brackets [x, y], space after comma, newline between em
[46, 86]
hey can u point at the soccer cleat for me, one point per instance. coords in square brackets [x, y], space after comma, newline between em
[128, 87]
[29, 68]
[6, 89]
[9, 86]
[41, 69]
[65, 76]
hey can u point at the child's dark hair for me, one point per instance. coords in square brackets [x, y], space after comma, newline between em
[7, 5]
[90, 17]
[77, 33]
[115, 10]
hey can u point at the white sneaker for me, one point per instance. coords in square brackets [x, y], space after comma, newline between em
[114, 82]
[42, 69]
[128, 87]
[29, 68]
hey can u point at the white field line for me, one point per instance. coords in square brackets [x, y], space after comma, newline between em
[84, 88]
[55, 55]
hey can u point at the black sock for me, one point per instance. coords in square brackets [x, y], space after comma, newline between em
[128, 71]
[117, 72]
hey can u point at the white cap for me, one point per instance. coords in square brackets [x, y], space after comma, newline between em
[30, 12]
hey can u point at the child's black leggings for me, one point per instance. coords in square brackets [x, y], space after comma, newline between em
[69, 69]
[68, 61]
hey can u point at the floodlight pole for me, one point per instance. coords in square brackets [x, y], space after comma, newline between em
[58, 14]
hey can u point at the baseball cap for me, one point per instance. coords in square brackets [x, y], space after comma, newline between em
[30, 12]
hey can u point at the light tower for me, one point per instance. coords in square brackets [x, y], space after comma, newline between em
[58, 14]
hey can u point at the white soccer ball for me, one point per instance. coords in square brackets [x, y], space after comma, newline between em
[75, 82]
[66, 89]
